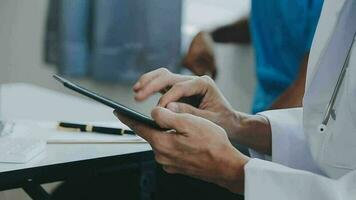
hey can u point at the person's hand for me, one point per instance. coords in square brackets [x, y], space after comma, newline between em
[200, 57]
[195, 147]
[159, 80]
[208, 102]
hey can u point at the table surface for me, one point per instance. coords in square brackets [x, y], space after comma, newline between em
[28, 102]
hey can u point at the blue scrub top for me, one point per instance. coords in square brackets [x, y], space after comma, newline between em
[282, 33]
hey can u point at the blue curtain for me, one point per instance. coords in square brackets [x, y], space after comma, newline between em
[113, 40]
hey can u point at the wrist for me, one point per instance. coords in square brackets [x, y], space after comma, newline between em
[235, 173]
[240, 125]
[253, 131]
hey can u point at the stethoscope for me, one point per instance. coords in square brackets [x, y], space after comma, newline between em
[330, 108]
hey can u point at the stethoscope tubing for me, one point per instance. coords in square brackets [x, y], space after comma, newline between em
[330, 106]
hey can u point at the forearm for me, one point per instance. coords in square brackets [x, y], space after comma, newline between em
[291, 98]
[238, 32]
[254, 131]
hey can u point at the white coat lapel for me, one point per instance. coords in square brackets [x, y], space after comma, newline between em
[322, 85]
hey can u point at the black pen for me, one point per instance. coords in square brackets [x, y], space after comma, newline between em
[90, 128]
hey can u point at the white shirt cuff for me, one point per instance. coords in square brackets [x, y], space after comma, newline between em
[289, 145]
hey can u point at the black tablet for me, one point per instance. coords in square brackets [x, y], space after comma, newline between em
[117, 106]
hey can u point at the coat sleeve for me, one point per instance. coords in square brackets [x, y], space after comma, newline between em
[267, 180]
[289, 145]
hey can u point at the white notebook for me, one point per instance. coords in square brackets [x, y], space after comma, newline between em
[50, 131]
[19, 150]
[92, 138]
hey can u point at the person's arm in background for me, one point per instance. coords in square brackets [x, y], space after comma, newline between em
[200, 58]
[293, 96]
[238, 32]
[201, 61]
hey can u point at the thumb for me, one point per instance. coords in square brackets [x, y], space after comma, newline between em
[186, 108]
[165, 118]
[182, 123]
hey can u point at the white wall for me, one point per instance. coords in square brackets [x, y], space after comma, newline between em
[21, 36]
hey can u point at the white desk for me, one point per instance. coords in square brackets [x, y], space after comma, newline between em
[23, 101]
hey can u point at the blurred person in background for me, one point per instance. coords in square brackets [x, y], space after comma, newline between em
[281, 32]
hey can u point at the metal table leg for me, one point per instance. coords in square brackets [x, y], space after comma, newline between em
[36, 191]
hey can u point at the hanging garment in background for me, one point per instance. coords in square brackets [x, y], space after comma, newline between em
[113, 40]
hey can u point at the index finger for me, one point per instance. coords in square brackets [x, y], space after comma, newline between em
[161, 141]
[147, 77]
[183, 89]
[181, 122]
[157, 84]
[140, 129]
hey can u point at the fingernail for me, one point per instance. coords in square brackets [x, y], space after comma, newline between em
[173, 107]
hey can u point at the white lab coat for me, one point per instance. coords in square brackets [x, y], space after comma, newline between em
[307, 164]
